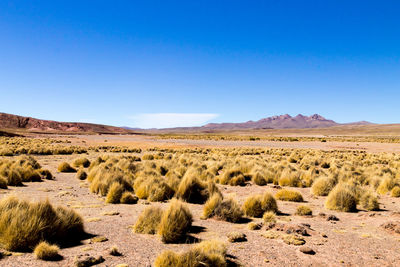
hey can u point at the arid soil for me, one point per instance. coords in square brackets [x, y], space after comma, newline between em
[356, 239]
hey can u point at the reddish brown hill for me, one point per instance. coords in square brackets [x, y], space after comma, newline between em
[9, 121]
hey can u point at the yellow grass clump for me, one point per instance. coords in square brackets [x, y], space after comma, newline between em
[369, 201]
[65, 167]
[395, 191]
[341, 198]
[226, 210]
[176, 221]
[114, 193]
[289, 195]
[255, 206]
[128, 198]
[24, 224]
[303, 210]
[206, 253]
[148, 221]
[45, 251]
[81, 162]
[322, 186]
[81, 174]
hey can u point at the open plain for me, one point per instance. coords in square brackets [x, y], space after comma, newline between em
[362, 230]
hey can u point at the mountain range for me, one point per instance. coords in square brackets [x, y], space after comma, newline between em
[10, 121]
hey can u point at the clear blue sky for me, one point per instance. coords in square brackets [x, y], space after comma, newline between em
[145, 63]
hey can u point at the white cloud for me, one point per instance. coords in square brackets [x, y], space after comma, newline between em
[169, 120]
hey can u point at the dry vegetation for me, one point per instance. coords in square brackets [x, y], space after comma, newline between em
[174, 182]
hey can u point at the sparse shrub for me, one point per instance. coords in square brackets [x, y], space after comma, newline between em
[395, 191]
[255, 206]
[369, 201]
[269, 217]
[289, 195]
[153, 188]
[175, 222]
[81, 174]
[128, 198]
[206, 253]
[303, 210]
[65, 167]
[148, 221]
[322, 186]
[24, 224]
[45, 251]
[114, 193]
[254, 226]
[342, 199]
[81, 162]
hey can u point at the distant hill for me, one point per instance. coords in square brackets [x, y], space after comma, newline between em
[277, 122]
[9, 121]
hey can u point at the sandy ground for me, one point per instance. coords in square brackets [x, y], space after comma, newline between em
[355, 240]
[148, 141]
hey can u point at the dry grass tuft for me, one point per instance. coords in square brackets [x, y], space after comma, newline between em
[303, 210]
[114, 193]
[148, 221]
[45, 251]
[206, 253]
[24, 224]
[81, 162]
[128, 198]
[226, 210]
[369, 201]
[255, 206]
[322, 186]
[269, 217]
[395, 191]
[341, 198]
[176, 221]
[289, 195]
[65, 167]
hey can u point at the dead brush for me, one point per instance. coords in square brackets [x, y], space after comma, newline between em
[24, 224]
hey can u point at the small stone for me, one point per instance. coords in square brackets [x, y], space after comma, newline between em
[307, 250]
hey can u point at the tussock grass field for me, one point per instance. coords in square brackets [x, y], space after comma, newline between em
[181, 206]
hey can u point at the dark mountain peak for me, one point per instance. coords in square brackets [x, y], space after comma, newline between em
[317, 117]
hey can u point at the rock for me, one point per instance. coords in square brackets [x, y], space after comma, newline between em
[332, 217]
[236, 237]
[307, 250]
[88, 261]
[393, 227]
